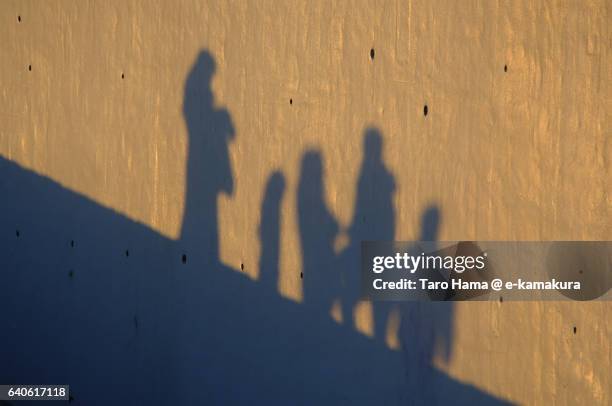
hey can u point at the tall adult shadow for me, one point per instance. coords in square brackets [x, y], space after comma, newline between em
[209, 171]
[373, 220]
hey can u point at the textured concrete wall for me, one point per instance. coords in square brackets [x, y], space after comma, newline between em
[515, 144]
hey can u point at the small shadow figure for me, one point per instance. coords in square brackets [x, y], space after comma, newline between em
[208, 164]
[318, 231]
[269, 232]
[426, 329]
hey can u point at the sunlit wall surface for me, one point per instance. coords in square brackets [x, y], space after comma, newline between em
[184, 186]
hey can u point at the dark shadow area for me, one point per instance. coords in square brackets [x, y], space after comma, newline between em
[170, 324]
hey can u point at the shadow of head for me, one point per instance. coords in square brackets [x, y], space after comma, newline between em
[270, 207]
[312, 174]
[198, 93]
[372, 144]
[430, 223]
[270, 230]
[276, 185]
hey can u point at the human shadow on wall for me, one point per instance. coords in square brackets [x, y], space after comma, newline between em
[209, 171]
[373, 220]
[425, 332]
[318, 231]
[269, 231]
[93, 297]
[426, 335]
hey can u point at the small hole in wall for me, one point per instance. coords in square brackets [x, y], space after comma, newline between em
[290, 101]
[184, 258]
[242, 267]
[17, 233]
[301, 275]
[425, 110]
[29, 67]
[19, 18]
[372, 54]
[127, 253]
[575, 329]
[505, 68]
[122, 76]
[501, 299]
[71, 274]
[72, 243]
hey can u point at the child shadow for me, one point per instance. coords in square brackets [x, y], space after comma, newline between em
[270, 232]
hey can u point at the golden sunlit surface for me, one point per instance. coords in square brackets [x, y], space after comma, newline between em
[496, 113]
